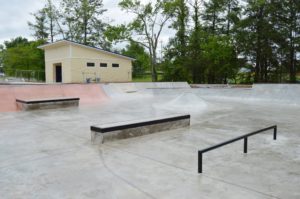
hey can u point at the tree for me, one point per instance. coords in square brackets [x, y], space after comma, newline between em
[232, 14]
[39, 27]
[256, 35]
[146, 27]
[175, 67]
[212, 18]
[220, 59]
[180, 14]
[53, 20]
[18, 41]
[205, 53]
[46, 23]
[287, 20]
[81, 19]
[142, 62]
[21, 54]
[195, 45]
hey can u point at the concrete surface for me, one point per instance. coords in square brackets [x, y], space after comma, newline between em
[89, 94]
[48, 153]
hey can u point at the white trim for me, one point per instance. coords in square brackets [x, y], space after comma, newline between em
[85, 46]
[84, 58]
[97, 59]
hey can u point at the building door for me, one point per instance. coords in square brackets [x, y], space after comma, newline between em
[58, 73]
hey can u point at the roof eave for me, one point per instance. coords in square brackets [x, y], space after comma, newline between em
[42, 47]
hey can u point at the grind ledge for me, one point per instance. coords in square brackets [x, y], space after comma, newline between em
[49, 103]
[134, 128]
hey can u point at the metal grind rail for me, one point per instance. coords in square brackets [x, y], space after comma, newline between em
[245, 137]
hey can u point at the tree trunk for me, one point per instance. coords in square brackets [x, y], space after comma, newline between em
[292, 65]
[228, 21]
[153, 64]
[51, 30]
[259, 58]
[214, 23]
[85, 31]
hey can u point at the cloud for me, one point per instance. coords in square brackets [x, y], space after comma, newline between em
[15, 15]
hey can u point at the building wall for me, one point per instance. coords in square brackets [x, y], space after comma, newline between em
[58, 55]
[80, 72]
[74, 61]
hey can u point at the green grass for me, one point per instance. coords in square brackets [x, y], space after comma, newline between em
[145, 78]
[141, 79]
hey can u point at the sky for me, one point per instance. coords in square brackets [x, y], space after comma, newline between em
[15, 15]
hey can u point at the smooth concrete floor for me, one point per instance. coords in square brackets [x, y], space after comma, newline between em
[48, 154]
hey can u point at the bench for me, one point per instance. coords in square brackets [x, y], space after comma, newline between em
[35, 104]
[127, 129]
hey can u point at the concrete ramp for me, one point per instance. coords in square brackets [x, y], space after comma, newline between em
[270, 93]
[162, 85]
[89, 94]
[127, 91]
[186, 102]
[278, 92]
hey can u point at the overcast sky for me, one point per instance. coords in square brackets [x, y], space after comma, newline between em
[15, 14]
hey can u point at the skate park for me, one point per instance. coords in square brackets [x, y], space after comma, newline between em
[48, 153]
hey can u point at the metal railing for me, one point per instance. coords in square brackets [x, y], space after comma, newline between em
[245, 137]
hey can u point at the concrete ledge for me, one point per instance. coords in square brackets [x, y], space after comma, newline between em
[123, 130]
[35, 104]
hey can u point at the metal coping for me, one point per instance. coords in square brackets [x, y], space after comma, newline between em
[138, 124]
[46, 100]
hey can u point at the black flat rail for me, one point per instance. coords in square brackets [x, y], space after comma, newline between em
[245, 137]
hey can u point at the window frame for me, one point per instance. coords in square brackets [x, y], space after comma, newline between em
[102, 65]
[115, 65]
[90, 64]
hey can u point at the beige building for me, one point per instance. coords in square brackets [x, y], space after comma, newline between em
[71, 62]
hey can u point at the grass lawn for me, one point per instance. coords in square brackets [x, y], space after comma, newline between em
[145, 78]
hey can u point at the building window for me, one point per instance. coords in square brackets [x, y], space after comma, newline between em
[103, 64]
[89, 64]
[115, 65]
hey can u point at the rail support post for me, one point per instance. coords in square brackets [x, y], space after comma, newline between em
[199, 162]
[275, 133]
[245, 144]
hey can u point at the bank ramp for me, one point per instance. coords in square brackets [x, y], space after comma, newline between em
[134, 90]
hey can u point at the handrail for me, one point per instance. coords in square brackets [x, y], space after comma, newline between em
[245, 137]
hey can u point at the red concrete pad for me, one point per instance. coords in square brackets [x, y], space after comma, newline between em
[6, 98]
[89, 94]
[38, 91]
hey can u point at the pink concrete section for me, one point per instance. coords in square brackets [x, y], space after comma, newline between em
[89, 94]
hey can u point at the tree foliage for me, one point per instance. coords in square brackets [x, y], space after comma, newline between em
[142, 62]
[215, 41]
[82, 22]
[76, 20]
[21, 54]
[224, 37]
[145, 28]
[39, 27]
